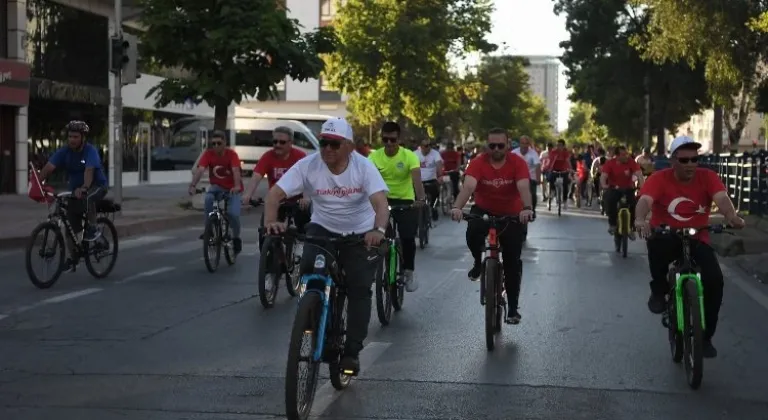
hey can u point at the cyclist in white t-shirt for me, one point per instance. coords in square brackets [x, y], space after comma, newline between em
[348, 196]
[431, 167]
[528, 153]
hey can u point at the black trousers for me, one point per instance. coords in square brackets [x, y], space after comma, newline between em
[566, 184]
[612, 197]
[359, 264]
[663, 250]
[78, 207]
[407, 227]
[454, 176]
[432, 190]
[511, 241]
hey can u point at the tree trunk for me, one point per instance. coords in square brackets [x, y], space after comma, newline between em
[717, 130]
[220, 115]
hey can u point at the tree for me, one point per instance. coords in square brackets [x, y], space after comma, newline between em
[605, 70]
[392, 59]
[233, 47]
[724, 38]
[505, 100]
[582, 127]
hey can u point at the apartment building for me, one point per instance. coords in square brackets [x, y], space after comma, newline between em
[544, 73]
[313, 96]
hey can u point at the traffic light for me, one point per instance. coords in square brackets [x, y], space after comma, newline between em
[123, 55]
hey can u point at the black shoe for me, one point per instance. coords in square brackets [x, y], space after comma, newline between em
[237, 243]
[474, 273]
[349, 365]
[708, 350]
[201, 236]
[513, 317]
[70, 265]
[657, 303]
[91, 233]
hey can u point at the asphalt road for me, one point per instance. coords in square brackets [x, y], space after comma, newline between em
[163, 339]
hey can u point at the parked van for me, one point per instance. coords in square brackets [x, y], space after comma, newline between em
[313, 121]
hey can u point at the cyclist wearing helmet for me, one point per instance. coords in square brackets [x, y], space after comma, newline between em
[86, 176]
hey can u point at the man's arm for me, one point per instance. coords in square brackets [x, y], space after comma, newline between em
[643, 207]
[274, 197]
[197, 175]
[417, 185]
[46, 171]
[640, 178]
[88, 178]
[724, 204]
[467, 189]
[253, 184]
[237, 176]
[381, 207]
[524, 187]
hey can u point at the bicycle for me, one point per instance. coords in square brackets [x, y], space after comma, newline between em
[492, 275]
[446, 194]
[684, 317]
[624, 222]
[390, 287]
[321, 314]
[559, 183]
[278, 258]
[217, 234]
[58, 226]
[425, 219]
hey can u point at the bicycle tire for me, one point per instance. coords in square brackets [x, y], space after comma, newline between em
[693, 336]
[49, 228]
[339, 380]
[489, 272]
[624, 245]
[397, 290]
[307, 319]
[88, 255]
[383, 293]
[212, 232]
[423, 227]
[292, 272]
[229, 250]
[269, 263]
[674, 335]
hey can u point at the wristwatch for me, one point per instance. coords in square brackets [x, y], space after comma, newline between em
[527, 208]
[382, 230]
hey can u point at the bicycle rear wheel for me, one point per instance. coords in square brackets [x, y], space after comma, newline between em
[99, 249]
[270, 271]
[299, 396]
[693, 336]
[490, 272]
[229, 248]
[212, 243]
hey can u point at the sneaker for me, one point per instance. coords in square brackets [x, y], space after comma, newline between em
[513, 317]
[349, 365]
[91, 233]
[657, 303]
[708, 350]
[474, 273]
[611, 230]
[70, 265]
[632, 236]
[237, 244]
[410, 281]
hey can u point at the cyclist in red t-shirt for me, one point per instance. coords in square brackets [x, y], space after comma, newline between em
[223, 165]
[273, 164]
[500, 181]
[559, 161]
[452, 160]
[616, 180]
[681, 197]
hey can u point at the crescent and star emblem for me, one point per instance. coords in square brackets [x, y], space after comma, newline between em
[216, 173]
[672, 209]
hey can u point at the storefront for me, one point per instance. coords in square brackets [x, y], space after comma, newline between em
[14, 94]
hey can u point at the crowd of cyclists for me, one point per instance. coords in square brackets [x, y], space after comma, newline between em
[347, 190]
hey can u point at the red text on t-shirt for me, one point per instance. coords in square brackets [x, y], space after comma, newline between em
[559, 160]
[273, 167]
[221, 167]
[682, 204]
[451, 160]
[496, 190]
[620, 174]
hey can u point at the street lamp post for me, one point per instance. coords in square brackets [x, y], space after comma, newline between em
[117, 106]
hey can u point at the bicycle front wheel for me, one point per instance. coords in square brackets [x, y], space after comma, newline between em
[299, 394]
[49, 236]
[270, 271]
[693, 336]
[491, 305]
[212, 243]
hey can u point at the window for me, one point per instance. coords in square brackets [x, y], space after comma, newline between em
[327, 9]
[259, 138]
[300, 140]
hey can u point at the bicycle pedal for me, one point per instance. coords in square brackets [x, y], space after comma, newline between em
[350, 372]
[665, 320]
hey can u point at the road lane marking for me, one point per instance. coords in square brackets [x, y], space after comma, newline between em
[67, 296]
[2, 317]
[146, 274]
[141, 241]
[181, 248]
[327, 394]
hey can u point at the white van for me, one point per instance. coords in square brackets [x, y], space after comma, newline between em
[313, 121]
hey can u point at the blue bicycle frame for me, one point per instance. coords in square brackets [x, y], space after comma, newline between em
[318, 279]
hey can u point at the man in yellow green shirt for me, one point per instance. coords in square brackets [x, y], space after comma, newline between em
[401, 171]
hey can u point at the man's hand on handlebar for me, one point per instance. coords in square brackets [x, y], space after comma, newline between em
[456, 214]
[735, 221]
[192, 190]
[275, 228]
[373, 238]
[643, 228]
[526, 216]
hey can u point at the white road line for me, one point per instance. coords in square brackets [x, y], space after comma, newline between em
[181, 248]
[67, 296]
[146, 274]
[3, 317]
[141, 241]
[326, 394]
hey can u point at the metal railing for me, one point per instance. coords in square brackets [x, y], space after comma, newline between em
[745, 175]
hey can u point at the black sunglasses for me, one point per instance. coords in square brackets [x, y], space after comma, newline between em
[494, 146]
[280, 142]
[385, 139]
[333, 144]
[694, 159]
[217, 143]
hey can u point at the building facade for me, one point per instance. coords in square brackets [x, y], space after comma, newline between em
[700, 128]
[544, 73]
[314, 96]
[52, 72]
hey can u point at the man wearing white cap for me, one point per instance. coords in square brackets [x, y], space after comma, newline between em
[348, 196]
[681, 197]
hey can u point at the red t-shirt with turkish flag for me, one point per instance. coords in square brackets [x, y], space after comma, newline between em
[620, 174]
[496, 190]
[559, 160]
[273, 167]
[451, 160]
[681, 205]
[220, 167]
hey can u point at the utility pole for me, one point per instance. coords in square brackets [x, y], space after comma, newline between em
[647, 122]
[117, 104]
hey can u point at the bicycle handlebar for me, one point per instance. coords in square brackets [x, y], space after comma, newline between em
[489, 218]
[691, 231]
[292, 232]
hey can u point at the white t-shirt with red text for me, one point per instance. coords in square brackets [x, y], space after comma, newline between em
[340, 203]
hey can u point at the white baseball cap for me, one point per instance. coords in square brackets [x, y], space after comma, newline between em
[337, 128]
[682, 141]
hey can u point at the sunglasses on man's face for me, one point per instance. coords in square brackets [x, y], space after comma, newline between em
[684, 161]
[494, 146]
[217, 143]
[385, 139]
[280, 142]
[333, 144]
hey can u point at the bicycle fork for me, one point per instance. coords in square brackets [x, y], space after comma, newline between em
[392, 263]
[680, 281]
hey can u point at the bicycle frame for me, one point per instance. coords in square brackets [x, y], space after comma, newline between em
[326, 280]
[623, 217]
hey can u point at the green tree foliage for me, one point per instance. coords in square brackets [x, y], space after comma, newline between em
[392, 57]
[582, 127]
[234, 48]
[724, 36]
[605, 70]
[505, 100]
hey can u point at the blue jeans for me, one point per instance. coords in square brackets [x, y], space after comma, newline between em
[233, 207]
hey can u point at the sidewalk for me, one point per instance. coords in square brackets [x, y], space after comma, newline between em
[747, 248]
[146, 208]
